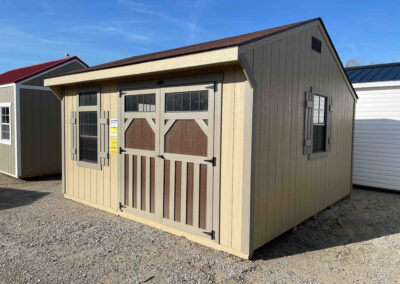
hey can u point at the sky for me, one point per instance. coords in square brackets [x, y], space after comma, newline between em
[106, 30]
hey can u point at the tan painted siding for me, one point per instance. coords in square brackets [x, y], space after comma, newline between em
[71, 66]
[289, 188]
[233, 96]
[40, 128]
[96, 186]
[100, 187]
[7, 152]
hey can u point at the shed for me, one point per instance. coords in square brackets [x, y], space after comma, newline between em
[228, 143]
[377, 125]
[30, 119]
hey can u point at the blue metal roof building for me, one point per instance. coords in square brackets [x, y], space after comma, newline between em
[374, 73]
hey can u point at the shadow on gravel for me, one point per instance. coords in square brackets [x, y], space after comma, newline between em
[12, 198]
[367, 215]
[44, 178]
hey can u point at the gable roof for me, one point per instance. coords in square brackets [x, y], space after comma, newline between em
[196, 48]
[374, 73]
[20, 74]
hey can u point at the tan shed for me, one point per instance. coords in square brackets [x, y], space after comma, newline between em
[228, 143]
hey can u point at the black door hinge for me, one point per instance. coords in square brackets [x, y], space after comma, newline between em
[121, 206]
[121, 150]
[213, 161]
[211, 234]
[161, 157]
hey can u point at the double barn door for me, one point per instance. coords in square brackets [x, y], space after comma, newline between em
[168, 156]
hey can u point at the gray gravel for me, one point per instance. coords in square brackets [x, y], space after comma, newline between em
[46, 238]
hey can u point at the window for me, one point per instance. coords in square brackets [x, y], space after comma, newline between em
[88, 99]
[140, 103]
[319, 124]
[88, 131]
[88, 136]
[186, 101]
[316, 44]
[5, 123]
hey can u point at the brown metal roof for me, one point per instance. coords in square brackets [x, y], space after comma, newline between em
[201, 47]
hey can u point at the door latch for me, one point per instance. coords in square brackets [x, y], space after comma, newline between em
[211, 234]
[213, 161]
[121, 206]
[121, 150]
[161, 156]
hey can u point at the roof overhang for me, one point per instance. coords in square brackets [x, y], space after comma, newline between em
[201, 59]
[382, 84]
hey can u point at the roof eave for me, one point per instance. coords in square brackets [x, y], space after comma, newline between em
[201, 59]
[376, 84]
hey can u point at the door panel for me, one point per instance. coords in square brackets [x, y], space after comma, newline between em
[168, 154]
[140, 135]
[187, 143]
[140, 148]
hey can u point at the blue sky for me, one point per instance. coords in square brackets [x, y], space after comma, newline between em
[106, 30]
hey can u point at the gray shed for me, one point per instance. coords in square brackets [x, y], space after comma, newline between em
[30, 119]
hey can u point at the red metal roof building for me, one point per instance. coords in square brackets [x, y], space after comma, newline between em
[30, 119]
[20, 74]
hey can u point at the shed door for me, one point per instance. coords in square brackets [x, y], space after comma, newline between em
[187, 151]
[139, 148]
[168, 156]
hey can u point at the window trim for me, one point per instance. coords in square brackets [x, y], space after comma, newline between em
[6, 141]
[97, 109]
[324, 154]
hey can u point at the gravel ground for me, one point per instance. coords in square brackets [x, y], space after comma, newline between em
[46, 238]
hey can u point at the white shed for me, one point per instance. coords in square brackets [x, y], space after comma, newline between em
[377, 125]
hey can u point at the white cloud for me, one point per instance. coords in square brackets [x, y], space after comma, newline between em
[191, 25]
[110, 29]
[16, 36]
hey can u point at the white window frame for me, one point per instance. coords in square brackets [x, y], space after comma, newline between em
[6, 141]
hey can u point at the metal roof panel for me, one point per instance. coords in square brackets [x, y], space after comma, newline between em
[374, 73]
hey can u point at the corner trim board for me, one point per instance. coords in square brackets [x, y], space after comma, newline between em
[247, 186]
[17, 128]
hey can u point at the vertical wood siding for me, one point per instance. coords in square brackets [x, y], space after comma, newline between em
[233, 96]
[100, 186]
[96, 186]
[288, 187]
[7, 152]
[40, 132]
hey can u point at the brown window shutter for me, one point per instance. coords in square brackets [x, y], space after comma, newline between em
[308, 123]
[74, 135]
[329, 125]
[104, 138]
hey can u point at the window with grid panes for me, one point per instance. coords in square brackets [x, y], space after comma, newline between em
[140, 103]
[5, 124]
[88, 126]
[186, 101]
[319, 124]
